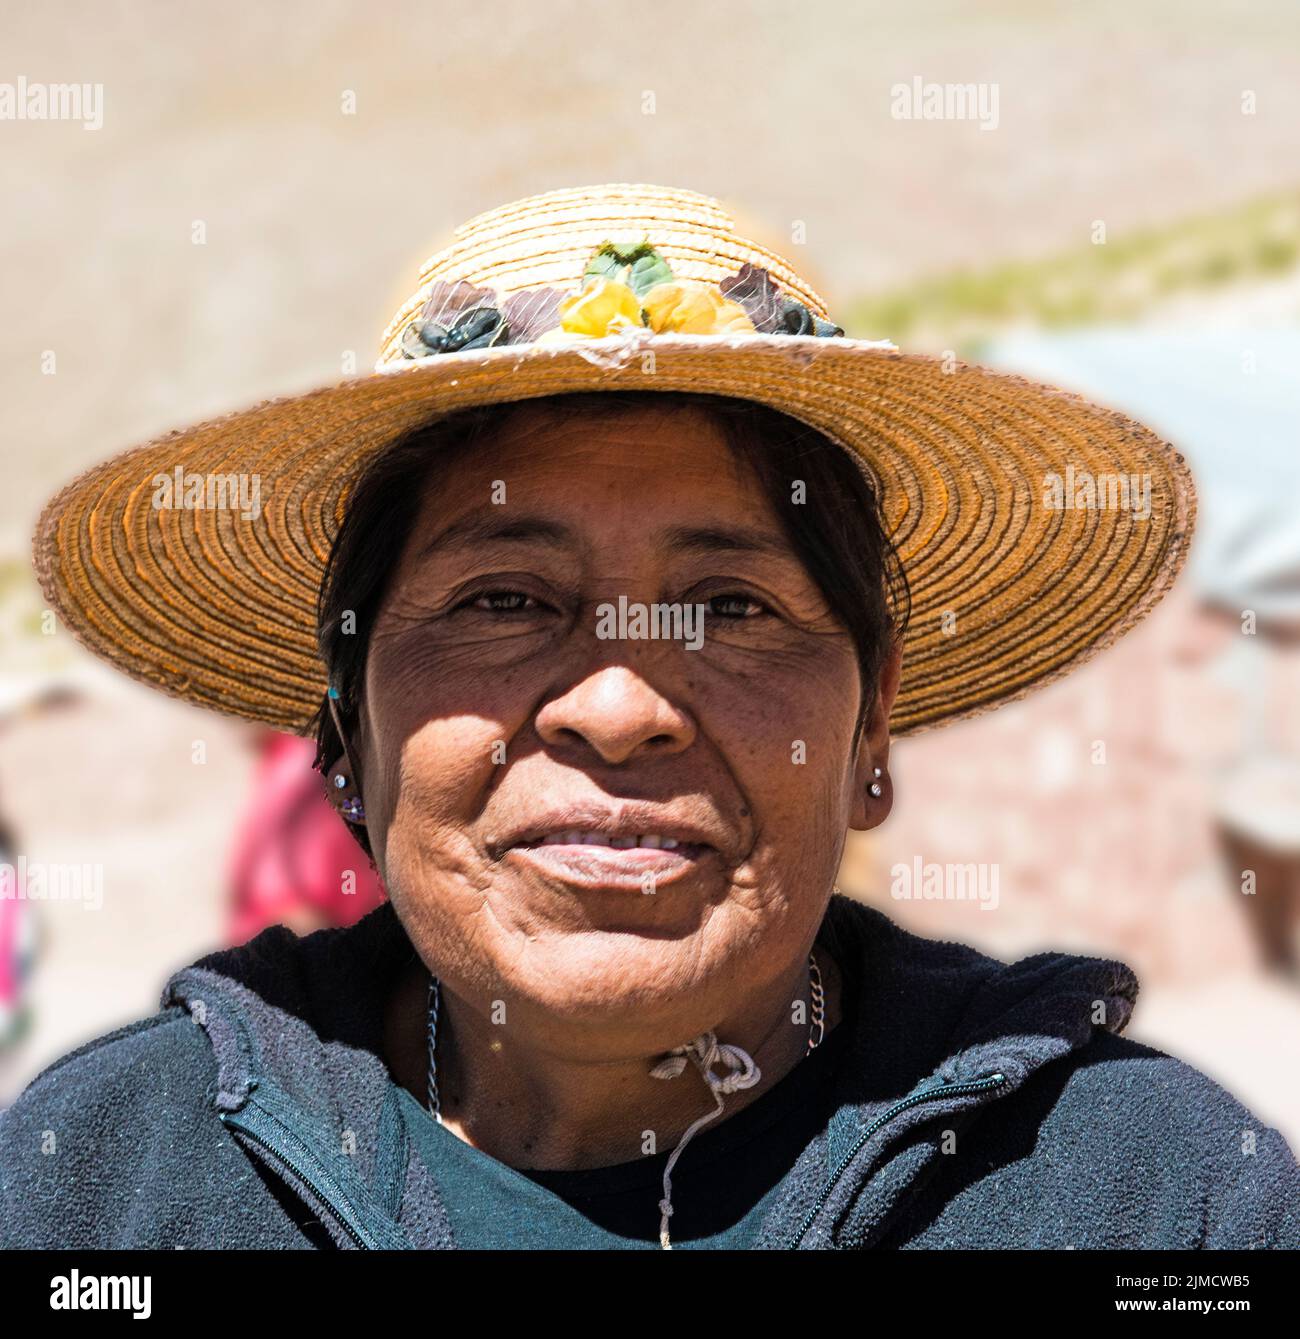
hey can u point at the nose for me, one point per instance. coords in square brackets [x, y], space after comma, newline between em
[617, 714]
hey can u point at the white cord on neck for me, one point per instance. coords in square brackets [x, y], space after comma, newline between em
[705, 1052]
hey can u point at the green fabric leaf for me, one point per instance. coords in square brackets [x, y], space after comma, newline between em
[636, 264]
[603, 265]
[646, 272]
[628, 252]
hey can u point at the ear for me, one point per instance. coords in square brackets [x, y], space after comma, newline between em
[868, 810]
[342, 792]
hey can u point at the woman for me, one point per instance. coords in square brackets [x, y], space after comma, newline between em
[594, 598]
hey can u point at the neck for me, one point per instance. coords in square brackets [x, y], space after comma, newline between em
[527, 1106]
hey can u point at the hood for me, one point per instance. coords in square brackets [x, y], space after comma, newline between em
[938, 1032]
[296, 1027]
[935, 1030]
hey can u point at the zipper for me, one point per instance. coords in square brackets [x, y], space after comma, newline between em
[264, 1129]
[940, 1089]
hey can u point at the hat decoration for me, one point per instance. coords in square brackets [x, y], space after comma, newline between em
[623, 287]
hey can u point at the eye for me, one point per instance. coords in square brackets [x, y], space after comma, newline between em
[735, 605]
[499, 602]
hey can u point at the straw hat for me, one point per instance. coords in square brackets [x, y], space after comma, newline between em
[1035, 527]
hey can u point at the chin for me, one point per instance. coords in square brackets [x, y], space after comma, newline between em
[627, 984]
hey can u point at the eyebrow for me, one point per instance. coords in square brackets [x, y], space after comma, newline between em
[478, 530]
[726, 539]
[472, 531]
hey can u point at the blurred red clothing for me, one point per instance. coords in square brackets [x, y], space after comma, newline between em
[294, 861]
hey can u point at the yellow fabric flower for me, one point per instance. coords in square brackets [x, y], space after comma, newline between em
[688, 307]
[604, 307]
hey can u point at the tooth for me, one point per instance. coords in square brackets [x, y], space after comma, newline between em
[576, 837]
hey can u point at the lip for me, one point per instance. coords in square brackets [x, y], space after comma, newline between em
[558, 844]
[637, 869]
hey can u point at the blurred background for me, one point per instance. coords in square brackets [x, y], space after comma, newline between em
[1121, 217]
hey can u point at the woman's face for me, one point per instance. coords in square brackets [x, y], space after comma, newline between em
[626, 831]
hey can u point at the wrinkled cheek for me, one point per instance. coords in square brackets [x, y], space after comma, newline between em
[795, 788]
[429, 796]
[438, 884]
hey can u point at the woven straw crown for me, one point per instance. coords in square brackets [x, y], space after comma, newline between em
[1008, 501]
[547, 240]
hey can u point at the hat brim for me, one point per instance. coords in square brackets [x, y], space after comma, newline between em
[1008, 593]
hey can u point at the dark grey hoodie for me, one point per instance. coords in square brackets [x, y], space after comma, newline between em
[978, 1105]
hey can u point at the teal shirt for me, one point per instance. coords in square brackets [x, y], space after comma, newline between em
[723, 1183]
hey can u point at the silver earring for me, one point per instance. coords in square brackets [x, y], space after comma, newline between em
[876, 789]
[352, 809]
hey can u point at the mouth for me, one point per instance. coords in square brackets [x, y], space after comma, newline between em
[653, 841]
[618, 853]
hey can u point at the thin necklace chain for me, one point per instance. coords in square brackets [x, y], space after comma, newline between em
[816, 1028]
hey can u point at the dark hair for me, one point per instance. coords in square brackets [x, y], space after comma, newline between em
[837, 532]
